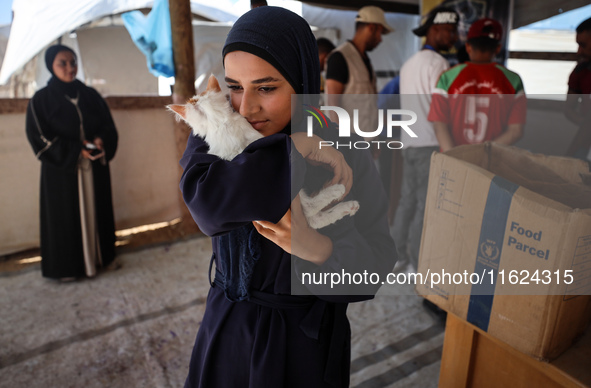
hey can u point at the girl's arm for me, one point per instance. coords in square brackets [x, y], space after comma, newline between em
[223, 195]
[360, 245]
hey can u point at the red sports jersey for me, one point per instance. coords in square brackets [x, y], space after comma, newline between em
[478, 101]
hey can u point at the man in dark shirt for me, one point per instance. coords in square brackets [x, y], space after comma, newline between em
[325, 47]
[578, 102]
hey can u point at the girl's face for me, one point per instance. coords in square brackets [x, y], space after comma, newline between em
[65, 66]
[258, 92]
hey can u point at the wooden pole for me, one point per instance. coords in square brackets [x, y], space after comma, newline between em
[184, 86]
[182, 47]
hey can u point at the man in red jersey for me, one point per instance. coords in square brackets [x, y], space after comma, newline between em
[578, 102]
[479, 100]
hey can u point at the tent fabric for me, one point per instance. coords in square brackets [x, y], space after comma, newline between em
[52, 19]
[152, 35]
[55, 20]
[567, 21]
[526, 12]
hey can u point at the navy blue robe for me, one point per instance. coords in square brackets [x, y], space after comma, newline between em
[246, 344]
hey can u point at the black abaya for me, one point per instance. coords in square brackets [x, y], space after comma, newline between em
[256, 344]
[53, 129]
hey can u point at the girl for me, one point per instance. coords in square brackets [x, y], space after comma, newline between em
[256, 332]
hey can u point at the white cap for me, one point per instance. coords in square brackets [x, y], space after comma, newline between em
[375, 15]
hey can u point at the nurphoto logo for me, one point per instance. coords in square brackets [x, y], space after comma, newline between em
[393, 119]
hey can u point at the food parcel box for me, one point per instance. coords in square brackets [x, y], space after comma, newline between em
[506, 244]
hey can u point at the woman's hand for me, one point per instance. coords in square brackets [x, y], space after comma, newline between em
[98, 142]
[310, 149]
[293, 234]
[86, 153]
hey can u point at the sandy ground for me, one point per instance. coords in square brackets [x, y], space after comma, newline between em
[135, 327]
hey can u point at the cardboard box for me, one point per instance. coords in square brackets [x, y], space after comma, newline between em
[508, 228]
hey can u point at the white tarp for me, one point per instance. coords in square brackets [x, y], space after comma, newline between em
[55, 18]
[37, 23]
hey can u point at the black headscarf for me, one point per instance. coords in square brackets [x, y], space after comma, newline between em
[52, 52]
[283, 39]
[69, 88]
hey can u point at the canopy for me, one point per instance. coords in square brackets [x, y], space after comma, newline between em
[38, 23]
[567, 21]
[63, 16]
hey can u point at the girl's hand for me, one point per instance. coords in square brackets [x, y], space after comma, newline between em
[310, 149]
[293, 234]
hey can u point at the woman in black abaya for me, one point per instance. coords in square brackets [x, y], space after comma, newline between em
[72, 133]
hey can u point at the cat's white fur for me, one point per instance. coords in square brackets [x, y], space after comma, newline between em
[227, 133]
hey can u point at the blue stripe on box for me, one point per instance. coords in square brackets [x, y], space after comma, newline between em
[490, 246]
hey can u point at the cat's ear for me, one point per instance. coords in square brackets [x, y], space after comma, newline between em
[213, 84]
[180, 110]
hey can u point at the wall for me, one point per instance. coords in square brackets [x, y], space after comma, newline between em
[114, 69]
[145, 171]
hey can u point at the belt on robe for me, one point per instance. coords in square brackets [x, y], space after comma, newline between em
[310, 324]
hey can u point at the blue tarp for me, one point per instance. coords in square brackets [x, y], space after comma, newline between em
[152, 35]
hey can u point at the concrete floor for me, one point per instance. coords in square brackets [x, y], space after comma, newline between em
[135, 327]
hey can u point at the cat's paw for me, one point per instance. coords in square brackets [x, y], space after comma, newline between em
[333, 192]
[332, 215]
[349, 208]
[326, 196]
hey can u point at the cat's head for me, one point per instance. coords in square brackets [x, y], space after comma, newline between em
[198, 108]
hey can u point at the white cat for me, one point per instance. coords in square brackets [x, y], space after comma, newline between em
[227, 133]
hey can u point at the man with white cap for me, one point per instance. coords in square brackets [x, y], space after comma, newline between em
[348, 68]
[418, 78]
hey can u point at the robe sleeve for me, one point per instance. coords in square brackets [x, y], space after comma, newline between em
[256, 185]
[107, 130]
[49, 148]
[361, 244]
